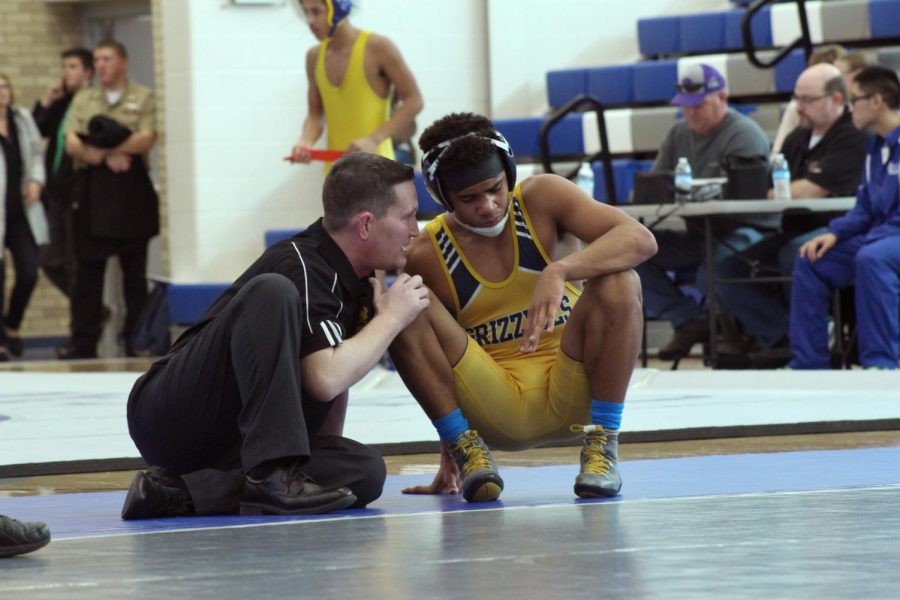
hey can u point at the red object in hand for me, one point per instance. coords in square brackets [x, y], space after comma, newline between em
[323, 155]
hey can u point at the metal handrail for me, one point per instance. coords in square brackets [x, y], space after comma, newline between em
[604, 155]
[803, 41]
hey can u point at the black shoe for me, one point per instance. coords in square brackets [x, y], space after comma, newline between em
[775, 357]
[154, 494]
[686, 335]
[289, 491]
[15, 345]
[4, 355]
[17, 537]
[69, 352]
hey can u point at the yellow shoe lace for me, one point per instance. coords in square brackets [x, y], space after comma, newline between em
[595, 461]
[476, 455]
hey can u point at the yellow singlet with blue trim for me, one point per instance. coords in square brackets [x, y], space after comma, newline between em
[352, 109]
[493, 313]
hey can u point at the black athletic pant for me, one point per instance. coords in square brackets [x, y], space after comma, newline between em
[87, 296]
[58, 256]
[231, 399]
[25, 262]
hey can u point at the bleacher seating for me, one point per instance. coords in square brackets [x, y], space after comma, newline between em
[188, 301]
[776, 25]
[623, 175]
[637, 95]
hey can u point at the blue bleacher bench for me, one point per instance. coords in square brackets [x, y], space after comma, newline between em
[837, 20]
[188, 301]
[524, 135]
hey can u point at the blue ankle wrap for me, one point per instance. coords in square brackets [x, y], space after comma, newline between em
[607, 414]
[450, 426]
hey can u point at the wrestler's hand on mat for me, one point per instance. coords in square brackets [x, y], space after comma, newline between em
[545, 302]
[403, 301]
[446, 481]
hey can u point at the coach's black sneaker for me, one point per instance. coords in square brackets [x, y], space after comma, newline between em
[17, 537]
[599, 476]
[481, 480]
[287, 490]
[155, 494]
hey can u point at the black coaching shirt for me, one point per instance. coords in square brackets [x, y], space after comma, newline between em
[835, 163]
[334, 302]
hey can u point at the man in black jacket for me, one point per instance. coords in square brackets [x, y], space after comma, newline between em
[57, 259]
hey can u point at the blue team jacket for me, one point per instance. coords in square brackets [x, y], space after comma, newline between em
[877, 211]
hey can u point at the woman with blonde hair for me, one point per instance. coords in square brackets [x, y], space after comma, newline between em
[23, 224]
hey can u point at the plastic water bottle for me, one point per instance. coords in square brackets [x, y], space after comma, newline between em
[684, 179]
[781, 178]
[585, 179]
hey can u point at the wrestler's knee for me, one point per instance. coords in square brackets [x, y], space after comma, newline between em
[620, 291]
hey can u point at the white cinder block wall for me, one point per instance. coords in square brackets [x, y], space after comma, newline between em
[235, 97]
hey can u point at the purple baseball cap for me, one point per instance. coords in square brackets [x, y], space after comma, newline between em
[696, 82]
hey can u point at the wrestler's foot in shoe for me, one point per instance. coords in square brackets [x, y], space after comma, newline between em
[480, 478]
[290, 491]
[599, 476]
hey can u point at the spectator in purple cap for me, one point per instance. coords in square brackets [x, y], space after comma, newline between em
[710, 134]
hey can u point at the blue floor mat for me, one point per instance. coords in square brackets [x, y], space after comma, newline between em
[97, 514]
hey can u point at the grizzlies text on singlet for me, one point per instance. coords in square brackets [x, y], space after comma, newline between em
[494, 313]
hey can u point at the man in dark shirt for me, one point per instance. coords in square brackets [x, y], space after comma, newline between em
[825, 153]
[58, 258]
[247, 409]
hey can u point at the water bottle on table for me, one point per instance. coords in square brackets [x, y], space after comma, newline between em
[585, 179]
[781, 178]
[684, 179]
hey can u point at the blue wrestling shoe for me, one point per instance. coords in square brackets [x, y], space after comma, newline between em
[481, 480]
[599, 476]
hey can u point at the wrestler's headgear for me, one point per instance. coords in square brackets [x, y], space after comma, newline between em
[337, 10]
[431, 161]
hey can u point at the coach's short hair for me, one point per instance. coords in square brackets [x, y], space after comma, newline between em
[361, 181]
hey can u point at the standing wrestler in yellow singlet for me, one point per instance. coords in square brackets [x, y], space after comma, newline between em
[512, 347]
[351, 76]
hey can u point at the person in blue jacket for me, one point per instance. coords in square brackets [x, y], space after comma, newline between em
[861, 247]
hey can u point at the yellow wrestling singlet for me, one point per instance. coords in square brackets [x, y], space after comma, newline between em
[352, 109]
[514, 400]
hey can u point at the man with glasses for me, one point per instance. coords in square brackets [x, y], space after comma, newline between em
[710, 133]
[862, 246]
[825, 153]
